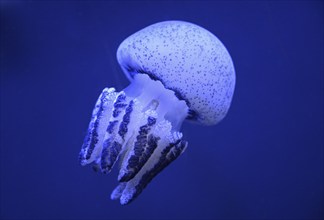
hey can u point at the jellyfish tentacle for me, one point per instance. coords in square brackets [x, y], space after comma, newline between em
[168, 147]
[92, 145]
[138, 126]
[169, 154]
[119, 131]
[123, 127]
[118, 191]
[140, 152]
[132, 190]
[113, 141]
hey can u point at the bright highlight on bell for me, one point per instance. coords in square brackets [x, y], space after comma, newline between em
[178, 71]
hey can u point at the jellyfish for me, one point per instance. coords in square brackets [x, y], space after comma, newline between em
[177, 71]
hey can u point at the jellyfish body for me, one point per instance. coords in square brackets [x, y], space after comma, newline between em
[178, 71]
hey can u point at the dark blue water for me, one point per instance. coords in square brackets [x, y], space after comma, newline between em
[264, 161]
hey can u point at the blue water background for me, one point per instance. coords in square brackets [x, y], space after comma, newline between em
[264, 161]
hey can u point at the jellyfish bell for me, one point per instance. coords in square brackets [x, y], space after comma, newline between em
[187, 59]
[178, 71]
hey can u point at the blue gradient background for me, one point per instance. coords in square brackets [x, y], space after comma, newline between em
[264, 161]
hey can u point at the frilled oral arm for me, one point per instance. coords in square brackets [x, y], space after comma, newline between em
[140, 127]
